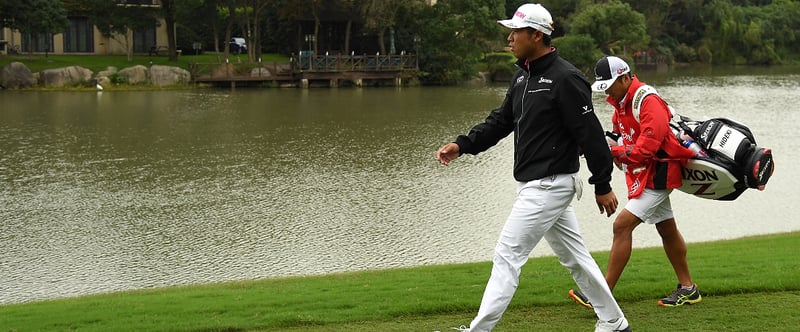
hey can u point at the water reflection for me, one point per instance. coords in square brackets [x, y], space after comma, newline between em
[126, 190]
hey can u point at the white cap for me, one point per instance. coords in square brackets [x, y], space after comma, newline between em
[530, 16]
[606, 72]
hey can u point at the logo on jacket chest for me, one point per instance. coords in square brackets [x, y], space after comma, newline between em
[542, 84]
[627, 135]
[541, 80]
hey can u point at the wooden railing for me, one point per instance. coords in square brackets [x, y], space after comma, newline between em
[343, 63]
[306, 66]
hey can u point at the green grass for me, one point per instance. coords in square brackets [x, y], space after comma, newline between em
[97, 63]
[747, 284]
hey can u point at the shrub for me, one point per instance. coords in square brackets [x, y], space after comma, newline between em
[685, 53]
[117, 79]
[580, 50]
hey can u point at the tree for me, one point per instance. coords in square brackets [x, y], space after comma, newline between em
[255, 13]
[656, 14]
[380, 15]
[228, 11]
[168, 12]
[454, 34]
[685, 22]
[560, 10]
[781, 25]
[580, 50]
[32, 17]
[201, 19]
[115, 20]
[722, 30]
[614, 26]
[352, 7]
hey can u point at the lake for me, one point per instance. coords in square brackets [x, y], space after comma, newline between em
[120, 190]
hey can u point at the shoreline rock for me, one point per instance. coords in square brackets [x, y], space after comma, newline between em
[16, 75]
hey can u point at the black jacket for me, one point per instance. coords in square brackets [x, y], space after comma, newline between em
[549, 108]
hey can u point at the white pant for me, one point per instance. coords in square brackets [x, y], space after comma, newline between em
[542, 209]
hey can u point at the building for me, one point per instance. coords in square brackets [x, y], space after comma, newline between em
[82, 37]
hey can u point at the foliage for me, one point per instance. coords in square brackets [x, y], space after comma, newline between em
[115, 21]
[111, 19]
[453, 35]
[580, 50]
[752, 34]
[685, 53]
[614, 26]
[501, 66]
[117, 79]
[671, 22]
[560, 10]
[33, 16]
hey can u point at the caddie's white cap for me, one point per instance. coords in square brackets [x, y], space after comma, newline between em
[531, 15]
[606, 72]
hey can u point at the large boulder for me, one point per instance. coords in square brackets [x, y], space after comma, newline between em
[67, 76]
[168, 75]
[136, 75]
[16, 75]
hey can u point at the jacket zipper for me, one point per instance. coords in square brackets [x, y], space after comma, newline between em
[522, 105]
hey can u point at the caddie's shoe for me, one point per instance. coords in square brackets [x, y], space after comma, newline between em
[681, 296]
[617, 325]
[461, 328]
[579, 298]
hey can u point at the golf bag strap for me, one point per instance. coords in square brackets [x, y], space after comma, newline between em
[638, 99]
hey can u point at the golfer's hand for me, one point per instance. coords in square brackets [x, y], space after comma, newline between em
[618, 163]
[607, 203]
[448, 153]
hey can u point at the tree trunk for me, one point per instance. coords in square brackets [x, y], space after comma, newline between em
[381, 40]
[128, 44]
[347, 37]
[215, 32]
[259, 9]
[168, 9]
[231, 13]
[248, 35]
[316, 27]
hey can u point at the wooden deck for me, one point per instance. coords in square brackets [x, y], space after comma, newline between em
[306, 71]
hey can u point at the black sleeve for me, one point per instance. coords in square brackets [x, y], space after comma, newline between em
[497, 126]
[575, 99]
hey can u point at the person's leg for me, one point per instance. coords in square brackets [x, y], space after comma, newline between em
[675, 248]
[652, 205]
[534, 212]
[567, 243]
[621, 246]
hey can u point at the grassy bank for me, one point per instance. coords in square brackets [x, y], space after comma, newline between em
[97, 63]
[748, 284]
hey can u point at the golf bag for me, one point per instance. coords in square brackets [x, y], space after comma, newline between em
[729, 161]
